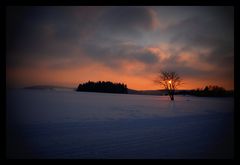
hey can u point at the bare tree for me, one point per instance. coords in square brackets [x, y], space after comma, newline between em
[170, 81]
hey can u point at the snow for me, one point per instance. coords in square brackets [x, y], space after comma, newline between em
[83, 125]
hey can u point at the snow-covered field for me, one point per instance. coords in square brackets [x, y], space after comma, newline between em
[79, 125]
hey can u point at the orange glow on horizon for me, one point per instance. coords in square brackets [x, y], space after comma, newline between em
[72, 77]
[132, 73]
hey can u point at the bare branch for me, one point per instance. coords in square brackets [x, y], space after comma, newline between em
[170, 81]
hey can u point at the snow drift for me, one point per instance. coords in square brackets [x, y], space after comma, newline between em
[82, 125]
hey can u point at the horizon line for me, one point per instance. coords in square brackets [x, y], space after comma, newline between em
[66, 86]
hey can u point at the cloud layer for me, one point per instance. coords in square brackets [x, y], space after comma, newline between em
[136, 42]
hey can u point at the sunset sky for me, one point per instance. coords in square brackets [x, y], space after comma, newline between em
[69, 45]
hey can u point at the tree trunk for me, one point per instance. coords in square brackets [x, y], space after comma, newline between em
[171, 94]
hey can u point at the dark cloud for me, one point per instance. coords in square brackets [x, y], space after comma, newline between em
[46, 32]
[173, 63]
[213, 32]
[117, 51]
[129, 19]
[146, 57]
[53, 32]
[67, 36]
[199, 33]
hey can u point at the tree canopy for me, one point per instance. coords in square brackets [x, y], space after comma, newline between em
[170, 81]
[102, 86]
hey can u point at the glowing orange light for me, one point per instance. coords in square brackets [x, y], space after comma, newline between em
[169, 81]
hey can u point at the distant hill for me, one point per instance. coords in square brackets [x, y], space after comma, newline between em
[159, 92]
[48, 87]
[147, 92]
[129, 91]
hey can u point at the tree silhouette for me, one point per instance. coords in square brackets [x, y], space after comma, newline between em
[101, 86]
[170, 81]
[211, 91]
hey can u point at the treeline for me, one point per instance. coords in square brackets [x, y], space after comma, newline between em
[102, 86]
[208, 91]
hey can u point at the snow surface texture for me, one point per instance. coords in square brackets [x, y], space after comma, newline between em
[81, 125]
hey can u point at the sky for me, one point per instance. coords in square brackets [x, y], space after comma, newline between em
[68, 45]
